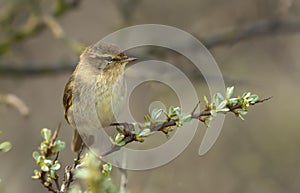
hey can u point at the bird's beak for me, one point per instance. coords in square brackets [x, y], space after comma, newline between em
[129, 59]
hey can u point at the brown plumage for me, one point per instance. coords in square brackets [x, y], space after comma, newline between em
[97, 82]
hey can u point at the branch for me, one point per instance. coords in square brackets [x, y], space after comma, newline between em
[231, 36]
[92, 171]
[35, 23]
[124, 180]
[48, 166]
[95, 174]
[129, 132]
[27, 70]
[13, 101]
[256, 29]
[68, 175]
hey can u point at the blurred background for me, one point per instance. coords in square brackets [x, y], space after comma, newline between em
[255, 43]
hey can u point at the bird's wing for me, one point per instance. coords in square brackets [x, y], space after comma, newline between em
[68, 96]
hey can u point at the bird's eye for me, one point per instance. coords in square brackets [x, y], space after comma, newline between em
[109, 59]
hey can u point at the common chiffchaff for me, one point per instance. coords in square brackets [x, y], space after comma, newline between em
[97, 80]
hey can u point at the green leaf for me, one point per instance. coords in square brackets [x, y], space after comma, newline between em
[58, 146]
[224, 110]
[36, 175]
[45, 168]
[218, 97]
[106, 169]
[5, 146]
[207, 121]
[46, 134]
[43, 147]
[111, 140]
[242, 112]
[48, 161]
[137, 128]
[121, 143]
[241, 117]
[221, 105]
[147, 119]
[145, 133]
[177, 110]
[253, 98]
[213, 112]
[233, 101]
[171, 110]
[246, 95]
[206, 101]
[46, 184]
[229, 92]
[35, 155]
[156, 113]
[147, 124]
[40, 160]
[185, 117]
[55, 166]
[119, 129]
[119, 137]
[53, 174]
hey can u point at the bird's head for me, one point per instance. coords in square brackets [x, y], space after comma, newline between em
[104, 56]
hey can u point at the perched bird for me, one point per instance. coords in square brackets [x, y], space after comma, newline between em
[95, 92]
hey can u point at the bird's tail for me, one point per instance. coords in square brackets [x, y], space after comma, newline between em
[76, 141]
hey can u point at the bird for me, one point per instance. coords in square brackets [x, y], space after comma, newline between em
[95, 92]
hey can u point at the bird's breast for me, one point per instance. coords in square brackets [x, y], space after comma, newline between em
[110, 95]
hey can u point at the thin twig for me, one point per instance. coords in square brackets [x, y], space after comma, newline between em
[56, 181]
[16, 102]
[196, 107]
[256, 29]
[68, 175]
[51, 189]
[28, 70]
[124, 179]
